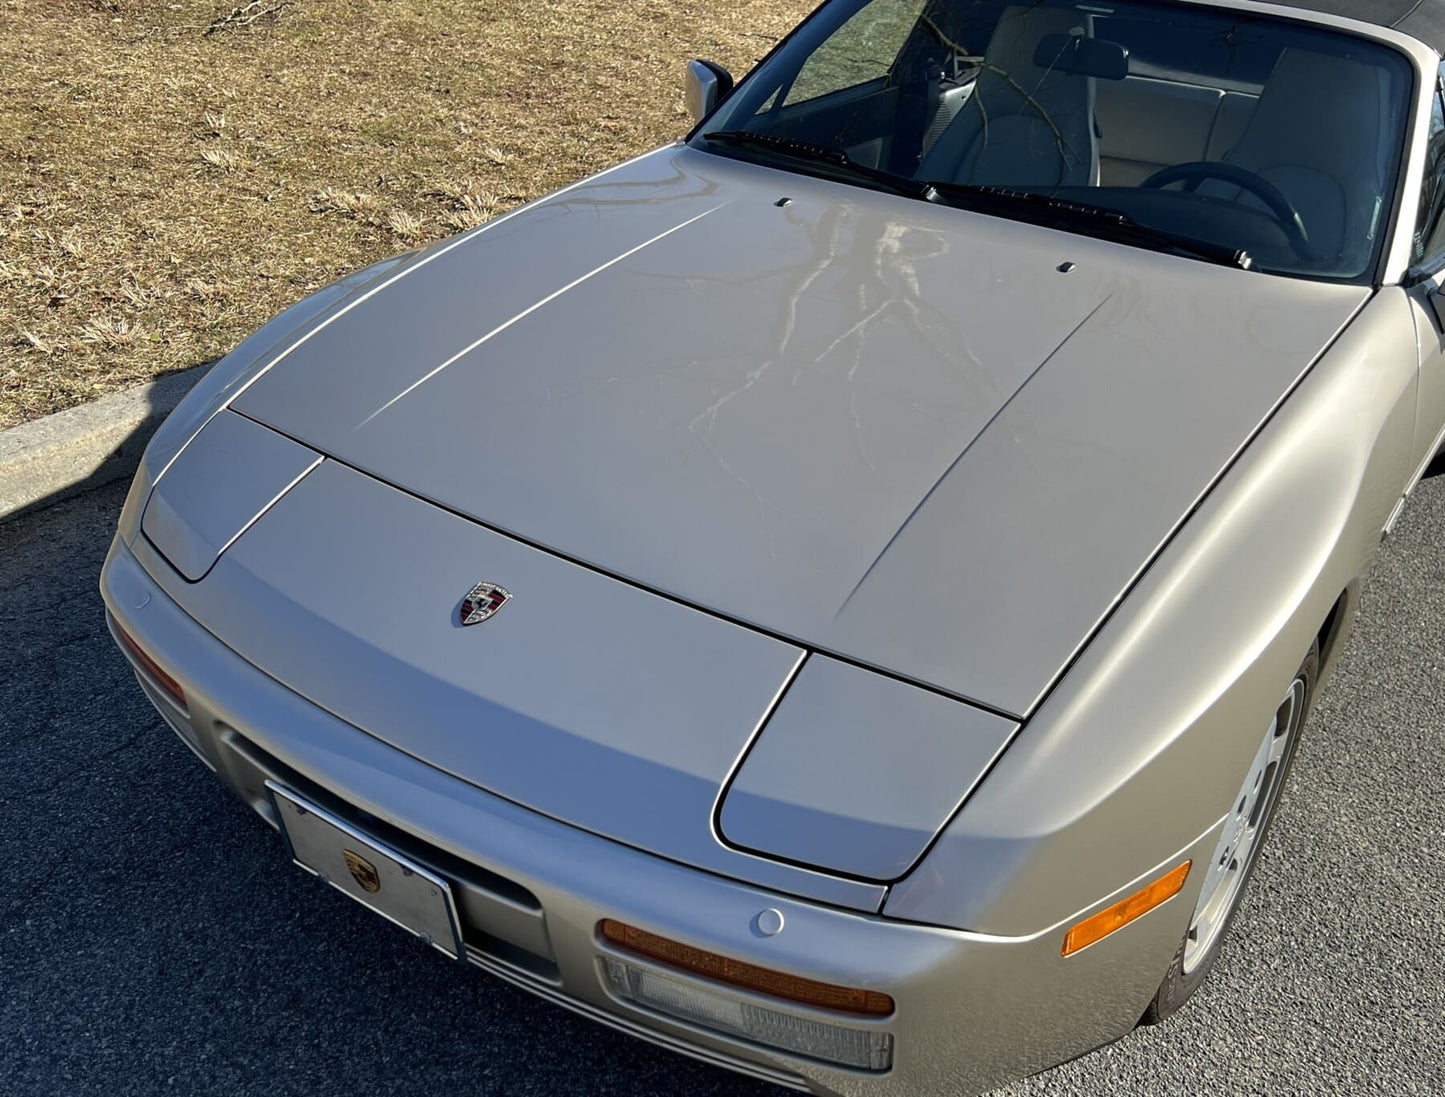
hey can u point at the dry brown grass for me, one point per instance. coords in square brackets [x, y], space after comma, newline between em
[164, 190]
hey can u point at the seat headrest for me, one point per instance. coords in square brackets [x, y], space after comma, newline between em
[1016, 41]
[1034, 124]
[1316, 111]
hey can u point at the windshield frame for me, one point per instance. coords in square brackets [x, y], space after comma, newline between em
[1391, 262]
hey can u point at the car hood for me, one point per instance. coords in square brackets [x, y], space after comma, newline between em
[918, 438]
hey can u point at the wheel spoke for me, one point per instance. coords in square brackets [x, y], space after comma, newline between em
[1242, 829]
[1277, 749]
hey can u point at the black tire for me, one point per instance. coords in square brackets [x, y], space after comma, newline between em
[1178, 986]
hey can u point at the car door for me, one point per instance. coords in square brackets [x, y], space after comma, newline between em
[1427, 291]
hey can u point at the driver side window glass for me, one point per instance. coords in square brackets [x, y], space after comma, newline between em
[1429, 243]
[862, 49]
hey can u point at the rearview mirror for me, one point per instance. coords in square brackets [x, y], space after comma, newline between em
[1077, 55]
[707, 86]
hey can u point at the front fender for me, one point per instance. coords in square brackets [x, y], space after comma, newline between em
[1145, 741]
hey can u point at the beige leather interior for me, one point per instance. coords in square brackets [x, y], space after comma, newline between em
[1315, 135]
[1146, 124]
[1235, 111]
[1024, 125]
[1332, 177]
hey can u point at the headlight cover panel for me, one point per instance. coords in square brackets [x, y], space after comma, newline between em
[229, 377]
[229, 476]
[856, 772]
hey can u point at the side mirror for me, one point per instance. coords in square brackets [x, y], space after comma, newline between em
[1437, 305]
[707, 86]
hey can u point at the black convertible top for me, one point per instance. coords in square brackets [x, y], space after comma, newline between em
[1422, 19]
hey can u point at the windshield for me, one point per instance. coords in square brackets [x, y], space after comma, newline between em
[1275, 142]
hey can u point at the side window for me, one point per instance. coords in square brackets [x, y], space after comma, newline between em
[1429, 244]
[861, 50]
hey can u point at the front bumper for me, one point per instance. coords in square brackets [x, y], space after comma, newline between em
[973, 1011]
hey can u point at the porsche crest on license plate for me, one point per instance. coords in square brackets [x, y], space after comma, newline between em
[377, 877]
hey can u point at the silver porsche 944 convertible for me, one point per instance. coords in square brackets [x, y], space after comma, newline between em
[837, 596]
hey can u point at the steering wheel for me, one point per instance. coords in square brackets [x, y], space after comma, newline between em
[1284, 212]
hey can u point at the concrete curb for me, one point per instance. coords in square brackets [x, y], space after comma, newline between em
[61, 455]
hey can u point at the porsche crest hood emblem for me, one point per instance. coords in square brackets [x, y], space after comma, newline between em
[484, 600]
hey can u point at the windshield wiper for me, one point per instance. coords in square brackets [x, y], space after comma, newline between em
[834, 158]
[1116, 225]
[1038, 207]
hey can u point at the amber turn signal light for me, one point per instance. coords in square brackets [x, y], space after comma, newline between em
[710, 965]
[152, 669]
[1120, 915]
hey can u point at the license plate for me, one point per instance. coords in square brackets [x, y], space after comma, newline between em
[376, 877]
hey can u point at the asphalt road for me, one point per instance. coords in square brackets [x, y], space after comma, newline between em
[155, 940]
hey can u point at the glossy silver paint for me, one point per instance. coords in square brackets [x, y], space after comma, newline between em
[906, 423]
[703, 91]
[599, 703]
[855, 773]
[218, 487]
[1138, 742]
[858, 459]
[547, 885]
